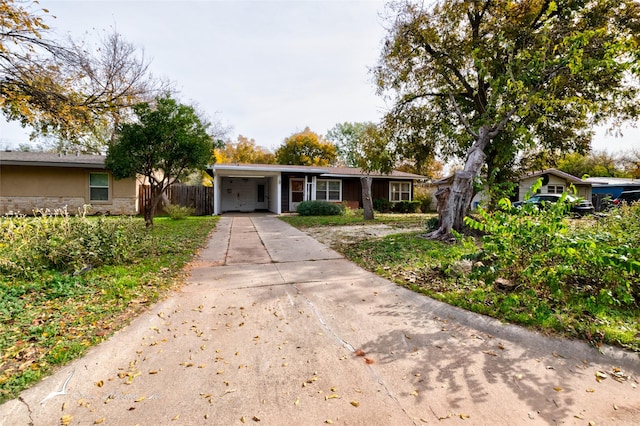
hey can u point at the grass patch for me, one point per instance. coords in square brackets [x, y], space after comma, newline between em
[355, 217]
[52, 317]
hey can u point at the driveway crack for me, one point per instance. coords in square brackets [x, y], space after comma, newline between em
[21, 399]
[350, 347]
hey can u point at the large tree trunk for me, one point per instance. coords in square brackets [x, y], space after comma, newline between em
[459, 200]
[367, 201]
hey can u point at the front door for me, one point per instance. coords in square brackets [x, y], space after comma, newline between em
[261, 196]
[296, 193]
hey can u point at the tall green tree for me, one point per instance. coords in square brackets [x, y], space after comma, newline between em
[167, 142]
[306, 148]
[485, 79]
[347, 137]
[595, 163]
[631, 161]
[363, 145]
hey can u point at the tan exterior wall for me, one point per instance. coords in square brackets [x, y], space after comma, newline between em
[24, 189]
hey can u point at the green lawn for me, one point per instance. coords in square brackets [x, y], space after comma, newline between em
[355, 218]
[49, 317]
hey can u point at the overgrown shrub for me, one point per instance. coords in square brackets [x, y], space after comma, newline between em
[382, 205]
[319, 208]
[176, 212]
[406, 206]
[425, 197]
[54, 240]
[539, 249]
[352, 212]
[432, 223]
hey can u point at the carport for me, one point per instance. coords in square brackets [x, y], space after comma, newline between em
[241, 189]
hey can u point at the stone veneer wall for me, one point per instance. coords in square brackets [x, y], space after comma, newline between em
[27, 205]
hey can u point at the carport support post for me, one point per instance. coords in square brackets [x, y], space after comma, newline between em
[217, 194]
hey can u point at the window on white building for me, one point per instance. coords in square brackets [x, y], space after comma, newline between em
[555, 189]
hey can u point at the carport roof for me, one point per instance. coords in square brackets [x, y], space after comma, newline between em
[322, 171]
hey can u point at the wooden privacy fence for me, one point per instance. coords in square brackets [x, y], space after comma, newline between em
[198, 197]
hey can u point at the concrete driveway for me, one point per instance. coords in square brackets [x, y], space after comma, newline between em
[274, 328]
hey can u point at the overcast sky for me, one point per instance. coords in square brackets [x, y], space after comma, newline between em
[268, 69]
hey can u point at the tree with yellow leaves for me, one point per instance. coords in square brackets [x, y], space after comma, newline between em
[244, 151]
[306, 148]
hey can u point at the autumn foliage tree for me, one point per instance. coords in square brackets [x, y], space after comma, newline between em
[306, 148]
[72, 91]
[167, 142]
[485, 79]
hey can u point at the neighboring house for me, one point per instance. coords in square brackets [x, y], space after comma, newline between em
[612, 187]
[554, 182]
[280, 188]
[32, 181]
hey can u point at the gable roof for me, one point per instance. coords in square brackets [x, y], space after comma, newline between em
[317, 170]
[49, 159]
[560, 173]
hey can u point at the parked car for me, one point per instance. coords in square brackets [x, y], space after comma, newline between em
[579, 206]
[627, 197]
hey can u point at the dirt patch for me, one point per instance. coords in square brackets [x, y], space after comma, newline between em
[333, 235]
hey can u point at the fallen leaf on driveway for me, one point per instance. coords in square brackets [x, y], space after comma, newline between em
[359, 352]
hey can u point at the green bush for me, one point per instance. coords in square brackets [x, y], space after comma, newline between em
[176, 212]
[319, 208]
[381, 205]
[406, 206]
[54, 240]
[432, 223]
[425, 197]
[543, 251]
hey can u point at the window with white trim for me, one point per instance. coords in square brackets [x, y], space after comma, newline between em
[400, 191]
[555, 189]
[98, 186]
[329, 190]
